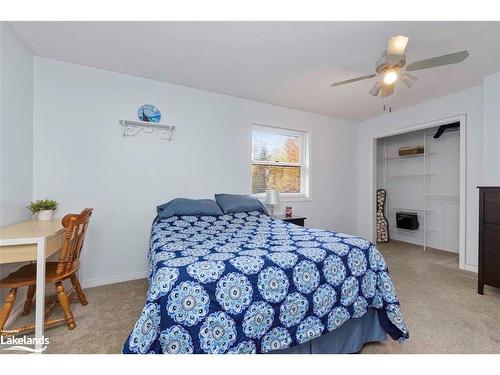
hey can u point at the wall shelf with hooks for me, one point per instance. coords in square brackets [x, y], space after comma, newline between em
[131, 128]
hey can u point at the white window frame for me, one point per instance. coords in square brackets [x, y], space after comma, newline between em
[305, 162]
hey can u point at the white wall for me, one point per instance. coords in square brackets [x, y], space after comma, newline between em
[16, 127]
[82, 160]
[16, 136]
[467, 102]
[491, 130]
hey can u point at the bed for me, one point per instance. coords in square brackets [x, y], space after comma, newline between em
[248, 283]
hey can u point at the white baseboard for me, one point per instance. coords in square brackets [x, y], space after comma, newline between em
[90, 283]
[470, 267]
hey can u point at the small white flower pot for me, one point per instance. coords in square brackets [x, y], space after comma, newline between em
[45, 215]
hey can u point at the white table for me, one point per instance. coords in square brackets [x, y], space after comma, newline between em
[33, 240]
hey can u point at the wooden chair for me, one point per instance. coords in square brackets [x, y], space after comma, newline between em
[56, 272]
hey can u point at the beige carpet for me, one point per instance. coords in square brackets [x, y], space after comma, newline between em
[441, 305]
[443, 310]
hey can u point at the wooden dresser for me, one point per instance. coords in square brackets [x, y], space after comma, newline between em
[489, 237]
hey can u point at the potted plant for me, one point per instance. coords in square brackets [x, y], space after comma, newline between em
[44, 208]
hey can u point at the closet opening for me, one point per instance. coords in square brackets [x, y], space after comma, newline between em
[419, 190]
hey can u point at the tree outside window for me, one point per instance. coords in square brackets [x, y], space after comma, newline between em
[276, 160]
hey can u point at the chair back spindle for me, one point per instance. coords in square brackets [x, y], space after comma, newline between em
[76, 227]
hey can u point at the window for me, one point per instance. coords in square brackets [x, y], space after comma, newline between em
[279, 161]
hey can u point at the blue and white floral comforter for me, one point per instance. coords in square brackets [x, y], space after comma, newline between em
[247, 283]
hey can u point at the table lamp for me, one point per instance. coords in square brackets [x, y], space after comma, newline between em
[272, 199]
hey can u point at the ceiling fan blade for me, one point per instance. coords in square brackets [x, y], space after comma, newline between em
[387, 90]
[375, 89]
[452, 58]
[397, 45]
[353, 80]
[408, 79]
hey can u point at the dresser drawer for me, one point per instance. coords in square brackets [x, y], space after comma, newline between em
[491, 234]
[489, 237]
[491, 263]
[492, 196]
[491, 213]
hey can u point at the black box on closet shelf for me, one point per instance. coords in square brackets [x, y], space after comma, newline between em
[407, 220]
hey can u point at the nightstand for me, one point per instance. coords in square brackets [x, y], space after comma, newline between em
[297, 220]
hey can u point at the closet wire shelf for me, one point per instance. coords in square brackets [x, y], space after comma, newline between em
[412, 175]
[408, 157]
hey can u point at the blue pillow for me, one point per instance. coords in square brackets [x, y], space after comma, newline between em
[189, 207]
[231, 203]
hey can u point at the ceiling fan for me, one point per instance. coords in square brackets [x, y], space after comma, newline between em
[391, 66]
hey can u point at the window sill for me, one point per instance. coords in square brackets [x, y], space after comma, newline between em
[286, 197]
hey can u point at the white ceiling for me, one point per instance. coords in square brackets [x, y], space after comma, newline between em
[290, 64]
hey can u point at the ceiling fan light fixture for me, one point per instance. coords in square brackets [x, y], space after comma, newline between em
[387, 90]
[408, 79]
[375, 89]
[397, 45]
[390, 77]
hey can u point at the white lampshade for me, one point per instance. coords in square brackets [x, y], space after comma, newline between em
[272, 197]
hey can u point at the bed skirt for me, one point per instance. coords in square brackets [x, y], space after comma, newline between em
[348, 338]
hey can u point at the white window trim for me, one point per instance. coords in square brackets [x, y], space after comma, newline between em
[305, 152]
